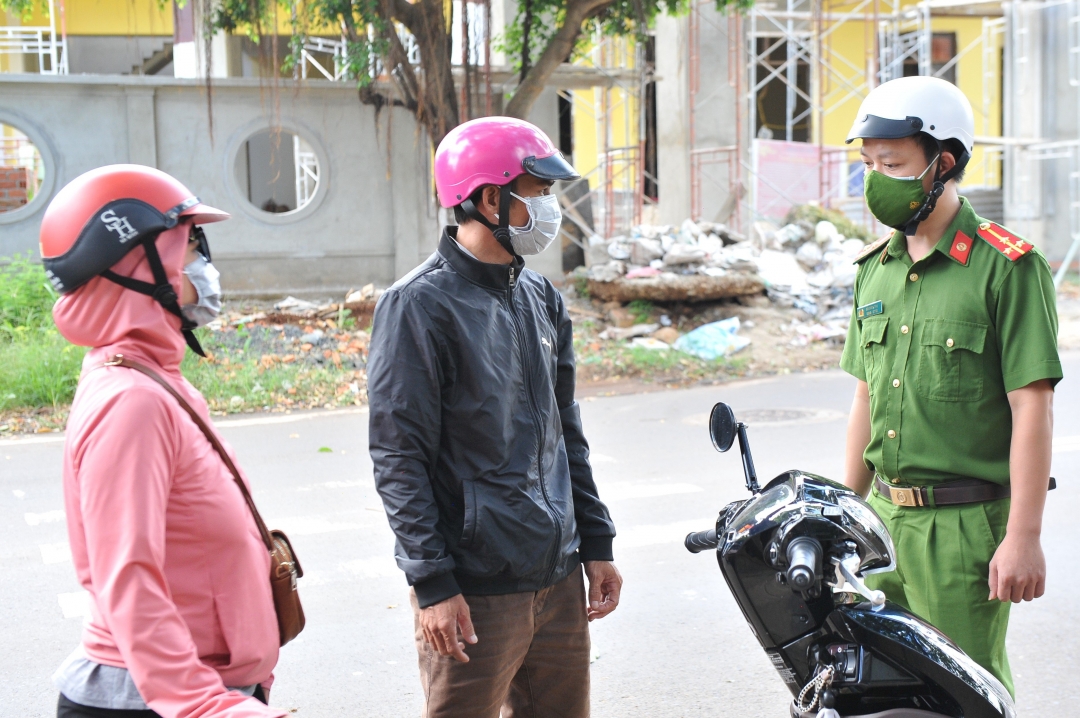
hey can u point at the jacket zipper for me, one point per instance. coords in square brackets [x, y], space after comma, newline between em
[540, 426]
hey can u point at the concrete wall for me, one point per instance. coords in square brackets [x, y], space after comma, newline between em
[372, 219]
[715, 115]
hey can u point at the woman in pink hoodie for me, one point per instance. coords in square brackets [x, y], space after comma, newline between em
[182, 620]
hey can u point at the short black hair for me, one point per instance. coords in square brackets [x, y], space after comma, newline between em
[931, 146]
[459, 214]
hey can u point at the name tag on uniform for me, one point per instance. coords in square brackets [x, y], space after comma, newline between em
[869, 310]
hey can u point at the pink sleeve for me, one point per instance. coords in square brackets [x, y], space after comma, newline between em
[124, 478]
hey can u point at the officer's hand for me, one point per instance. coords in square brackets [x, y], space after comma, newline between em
[605, 585]
[445, 623]
[1018, 569]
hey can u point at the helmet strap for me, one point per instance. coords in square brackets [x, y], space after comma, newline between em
[161, 291]
[931, 199]
[502, 229]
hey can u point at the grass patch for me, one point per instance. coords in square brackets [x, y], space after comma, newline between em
[39, 369]
[618, 360]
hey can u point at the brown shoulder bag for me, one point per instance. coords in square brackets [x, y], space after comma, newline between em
[284, 568]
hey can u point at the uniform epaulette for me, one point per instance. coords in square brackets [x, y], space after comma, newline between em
[873, 247]
[1004, 241]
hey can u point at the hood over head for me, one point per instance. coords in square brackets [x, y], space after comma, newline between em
[114, 320]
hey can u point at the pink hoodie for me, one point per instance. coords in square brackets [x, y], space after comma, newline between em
[160, 535]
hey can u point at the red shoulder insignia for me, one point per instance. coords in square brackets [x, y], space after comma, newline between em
[961, 248]
[873, 247]
[1004, 241]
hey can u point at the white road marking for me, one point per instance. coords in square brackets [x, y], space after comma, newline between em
[619, 492]
[654, 534]
[333, 485]
[595, 458]
[311, 525]
[19, 493]
[46, 517]
[74, 605]
[287, 418]
[375, 567]
[1063, 444]
[55, 552]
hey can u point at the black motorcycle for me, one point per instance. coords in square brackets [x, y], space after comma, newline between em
[793, 555]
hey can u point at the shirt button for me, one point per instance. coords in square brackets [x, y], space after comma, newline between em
[892, 434]
[949, 342]
[904, 329]
[895, 382]
[913, 277]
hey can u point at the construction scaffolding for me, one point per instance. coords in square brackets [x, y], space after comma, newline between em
[804, 48]
[45, 44]
[800, 47]
[615, 105]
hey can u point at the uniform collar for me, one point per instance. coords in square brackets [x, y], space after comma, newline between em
[492, 276]
[955, 242]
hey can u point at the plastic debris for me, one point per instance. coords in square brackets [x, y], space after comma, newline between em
[713, 341]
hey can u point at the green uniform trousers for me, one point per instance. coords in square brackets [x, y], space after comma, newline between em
[942, 574]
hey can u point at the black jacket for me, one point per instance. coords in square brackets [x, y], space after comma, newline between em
[475, 435]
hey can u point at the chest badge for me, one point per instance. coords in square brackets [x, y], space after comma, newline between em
[869, 310]
[545, 342]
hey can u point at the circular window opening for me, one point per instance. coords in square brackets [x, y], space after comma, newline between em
[22, 170]
[278, 171]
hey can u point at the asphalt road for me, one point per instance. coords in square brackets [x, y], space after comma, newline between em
[677, 646]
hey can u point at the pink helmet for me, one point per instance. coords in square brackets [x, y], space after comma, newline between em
[494, 150]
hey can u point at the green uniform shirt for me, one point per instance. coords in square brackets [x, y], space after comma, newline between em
[939, 343]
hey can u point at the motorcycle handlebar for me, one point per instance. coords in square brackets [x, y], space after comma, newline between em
[804, 555]
[701, 541]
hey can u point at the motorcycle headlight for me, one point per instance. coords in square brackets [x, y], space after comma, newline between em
[875, 535]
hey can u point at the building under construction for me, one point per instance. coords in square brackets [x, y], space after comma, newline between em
[725, 117]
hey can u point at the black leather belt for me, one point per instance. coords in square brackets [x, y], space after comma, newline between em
[950, 493]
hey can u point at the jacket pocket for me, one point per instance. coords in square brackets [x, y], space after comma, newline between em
[872, 341]
[951, 360]
[468, 531]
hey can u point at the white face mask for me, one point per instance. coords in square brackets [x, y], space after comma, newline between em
[207, 282]
[545, 218]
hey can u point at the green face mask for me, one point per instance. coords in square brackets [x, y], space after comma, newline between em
[895, 200]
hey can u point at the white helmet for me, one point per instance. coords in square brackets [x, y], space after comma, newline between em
[909, 105]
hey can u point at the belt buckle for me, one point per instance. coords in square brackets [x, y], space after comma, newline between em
[905, 496]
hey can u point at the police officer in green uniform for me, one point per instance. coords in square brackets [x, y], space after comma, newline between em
[954, 345]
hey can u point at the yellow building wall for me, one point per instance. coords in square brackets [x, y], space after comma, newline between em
[851, 45]
[622, 123]
[110, 17]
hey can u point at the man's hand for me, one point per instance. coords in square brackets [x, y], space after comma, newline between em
[1018, 569]
[445, 623]
[605, 585]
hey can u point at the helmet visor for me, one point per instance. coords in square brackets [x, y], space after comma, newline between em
[551, 168]
[882, 128]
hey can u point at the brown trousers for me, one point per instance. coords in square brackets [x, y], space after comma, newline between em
[531, 659]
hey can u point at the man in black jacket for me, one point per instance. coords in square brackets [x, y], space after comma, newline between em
[477, 443]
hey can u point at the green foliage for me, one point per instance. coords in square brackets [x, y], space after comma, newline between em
[624, 18]
[39, 368]
[26, 297]
[642, 310]
[308, 18]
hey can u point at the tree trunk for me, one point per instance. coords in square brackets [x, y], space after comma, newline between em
[438, 108]
[558, 49]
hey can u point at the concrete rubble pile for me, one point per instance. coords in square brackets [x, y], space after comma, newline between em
[797, 263]
[806, 266]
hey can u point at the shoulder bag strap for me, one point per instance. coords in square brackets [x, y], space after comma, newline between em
[121, 360]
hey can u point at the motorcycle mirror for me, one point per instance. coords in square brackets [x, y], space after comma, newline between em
[722, 427]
